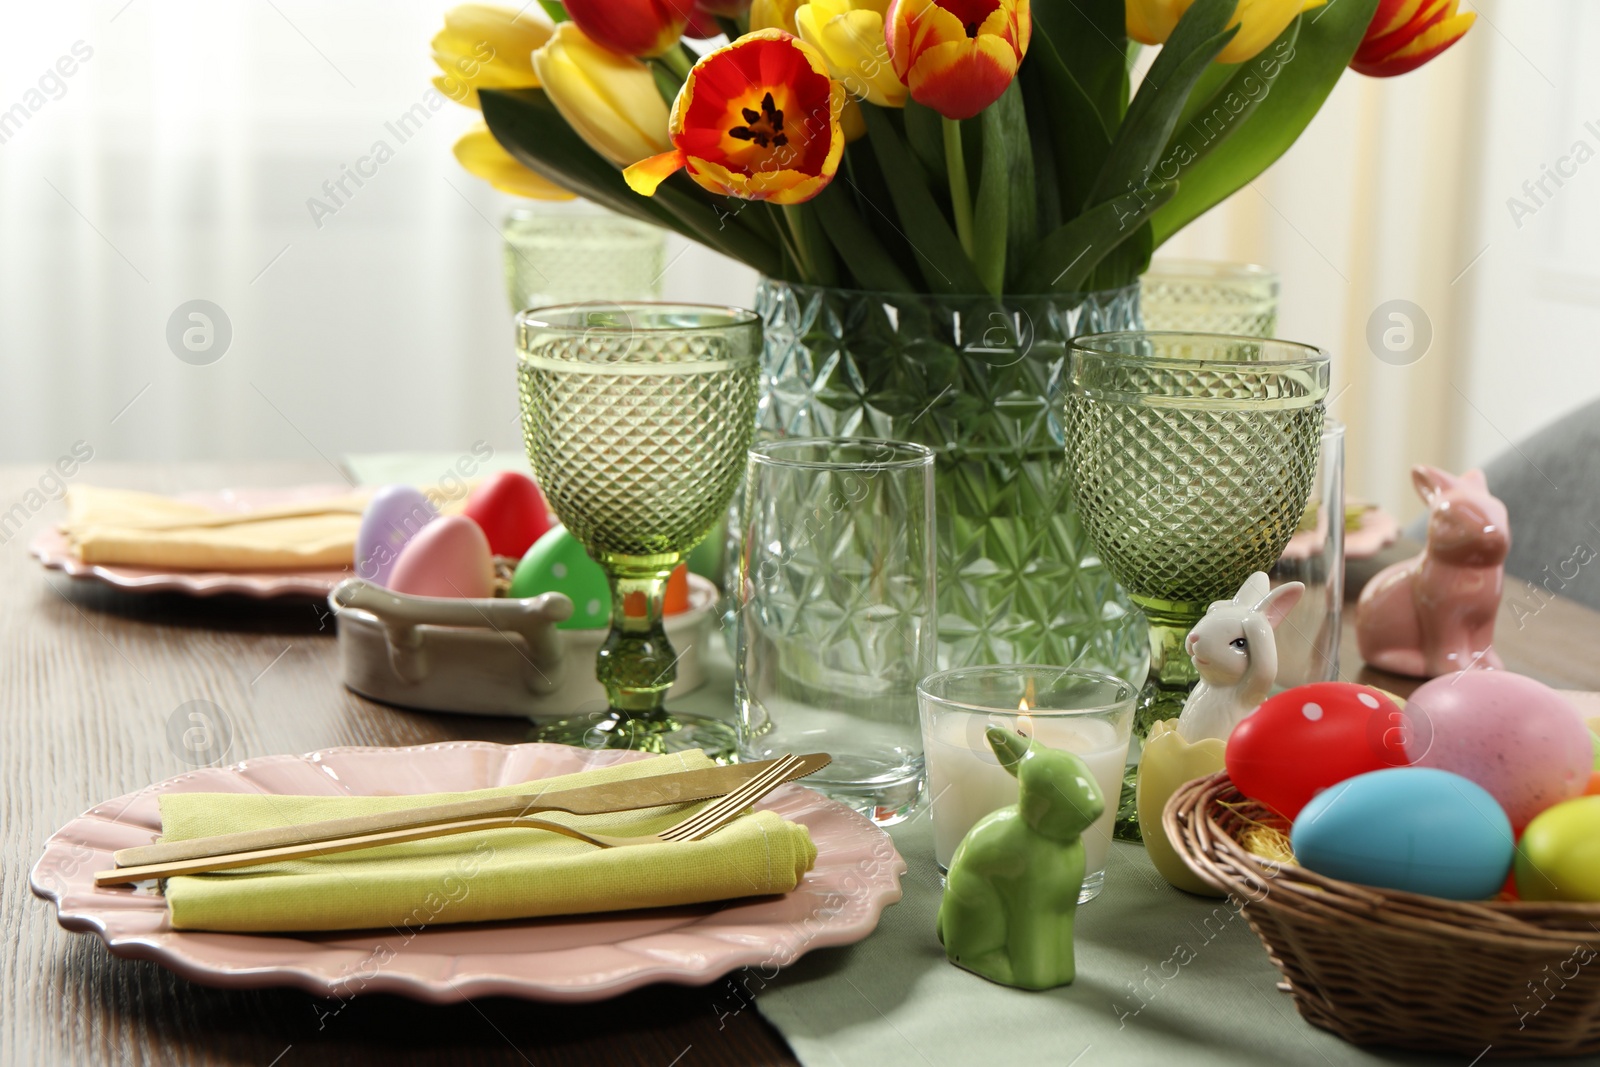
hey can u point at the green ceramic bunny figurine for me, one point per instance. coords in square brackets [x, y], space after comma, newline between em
[1013, 886]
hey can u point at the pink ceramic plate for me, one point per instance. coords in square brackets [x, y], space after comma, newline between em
[582, 958]
[52, 550]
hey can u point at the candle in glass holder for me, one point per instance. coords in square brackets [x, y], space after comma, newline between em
[1083, 712]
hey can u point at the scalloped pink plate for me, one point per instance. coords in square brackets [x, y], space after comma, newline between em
[51, 549]
[583, 958]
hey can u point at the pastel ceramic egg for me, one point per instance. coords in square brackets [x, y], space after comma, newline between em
[1559, 857]
[557, 563]
[511, 511]
[448, 558]
[1410, 828]
[1518, 738]
[1308, 738]
[394, 515]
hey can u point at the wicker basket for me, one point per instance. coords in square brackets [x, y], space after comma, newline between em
[1382, 967]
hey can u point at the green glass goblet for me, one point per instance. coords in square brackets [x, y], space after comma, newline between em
[637, 418]
[1192, 457]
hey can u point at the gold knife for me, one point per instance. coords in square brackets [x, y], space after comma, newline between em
[680, 787]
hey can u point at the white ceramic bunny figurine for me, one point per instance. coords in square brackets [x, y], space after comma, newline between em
[1236, 653]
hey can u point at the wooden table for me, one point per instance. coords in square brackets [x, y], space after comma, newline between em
[88, 679]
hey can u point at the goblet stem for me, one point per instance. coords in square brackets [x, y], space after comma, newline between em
[1166, 687]
[1172, 673]
[637, 662]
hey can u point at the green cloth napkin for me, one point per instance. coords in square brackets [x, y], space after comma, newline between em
[493, 874]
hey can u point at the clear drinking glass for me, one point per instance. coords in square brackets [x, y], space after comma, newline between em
[1192, 456]
[636, 419]
[1308, 640]
[1083, 712]
[834, 614]
[558, 257]
[1208, 297]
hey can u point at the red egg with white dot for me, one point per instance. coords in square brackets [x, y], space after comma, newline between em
[1305, 739]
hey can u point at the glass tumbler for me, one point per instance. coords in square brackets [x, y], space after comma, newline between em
[1084, 712]
[834, 617]
[1210, 297]
[556, 257]
[1308, 640]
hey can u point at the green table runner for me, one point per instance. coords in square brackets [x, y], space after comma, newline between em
[1164, 978]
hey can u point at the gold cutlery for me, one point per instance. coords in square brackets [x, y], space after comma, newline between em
[714, 816]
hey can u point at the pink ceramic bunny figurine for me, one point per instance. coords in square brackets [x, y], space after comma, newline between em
[1434, 614]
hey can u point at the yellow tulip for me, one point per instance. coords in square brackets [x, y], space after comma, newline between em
[609, 99]
[773, 15]
[1259, 21]
[487, 47]
[481, 155]
[849, 34]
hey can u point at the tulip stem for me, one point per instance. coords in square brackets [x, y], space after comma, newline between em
[955, 165]
[677, 61]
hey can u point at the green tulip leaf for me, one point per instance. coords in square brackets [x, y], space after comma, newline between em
[1022, 201]
[1067, 257]
[1318, 53]
[1090, 39]
[939, 255]
[1230, 102]
[1153, 114]
[991, 210]
[1068, 119]
[555, 9]
[859, 250]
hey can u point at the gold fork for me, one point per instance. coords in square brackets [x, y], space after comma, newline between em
[703, 823]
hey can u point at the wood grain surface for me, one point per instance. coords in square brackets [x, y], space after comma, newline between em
[89, 678]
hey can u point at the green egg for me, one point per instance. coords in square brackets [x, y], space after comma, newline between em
[557, 563]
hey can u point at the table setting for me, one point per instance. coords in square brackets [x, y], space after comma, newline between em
[950, 656]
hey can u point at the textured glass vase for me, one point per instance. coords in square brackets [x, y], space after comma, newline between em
[978, 380]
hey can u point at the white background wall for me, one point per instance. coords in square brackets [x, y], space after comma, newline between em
[177, 162]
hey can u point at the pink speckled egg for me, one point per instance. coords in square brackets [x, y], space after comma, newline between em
[448, 557]
[1518, 738]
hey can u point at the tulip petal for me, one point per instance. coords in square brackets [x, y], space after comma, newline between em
[1429, 43]
[481, 156]
[645, 176]
[961, 78]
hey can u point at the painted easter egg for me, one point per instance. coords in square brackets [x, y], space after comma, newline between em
[394, 515]
[1305, 739]
[557, 563]
[511, 511]
[448, 558]
[1559, 857]
[1518, 738]
[1416, 829]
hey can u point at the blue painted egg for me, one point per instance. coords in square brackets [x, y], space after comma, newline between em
[394, 515]
[557, 563]
[1415, 829]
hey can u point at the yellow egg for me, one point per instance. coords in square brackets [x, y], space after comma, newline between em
[1559, 856]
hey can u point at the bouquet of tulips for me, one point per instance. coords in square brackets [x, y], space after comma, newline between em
[944, 146]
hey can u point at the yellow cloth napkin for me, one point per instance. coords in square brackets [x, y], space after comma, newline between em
[112, 526]
[489, 875]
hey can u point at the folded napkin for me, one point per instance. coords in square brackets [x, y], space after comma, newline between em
[477, 877]
[116, 526]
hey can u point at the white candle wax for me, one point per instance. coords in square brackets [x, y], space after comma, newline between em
[967, 782]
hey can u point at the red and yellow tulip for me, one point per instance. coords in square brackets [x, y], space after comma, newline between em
[756, 119]
[1259, 22]
[632, 27]
[957, 56]
[1404, 34]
